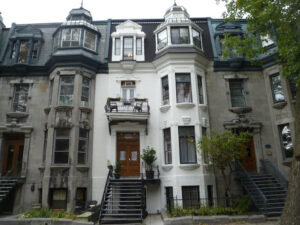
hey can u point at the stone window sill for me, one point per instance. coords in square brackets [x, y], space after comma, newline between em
[64, 107]
[167, 167]
[82, 168]
[85, 109]
[279, 105]
[165, 108]
[203, 107]
[185, 105]
[189, 166]
[240, 110]
[17, 114]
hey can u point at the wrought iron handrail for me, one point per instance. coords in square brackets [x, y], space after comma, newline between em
[143, 172]
[253, 190]
[269, 167]
[136, 105]
[109, 175]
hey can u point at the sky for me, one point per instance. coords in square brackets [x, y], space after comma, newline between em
[46, 11]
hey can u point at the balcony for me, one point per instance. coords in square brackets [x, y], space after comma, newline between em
[136, 110]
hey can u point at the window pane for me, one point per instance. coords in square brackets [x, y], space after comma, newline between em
[165, 90]
[85, 92]
[237, 93]
[180, 35]
[187, 145]
[139, 46]
[293, 87]
[117, 46]
[61, 157]
[24, 47]
[200, 90]
[183, 88]
[197, 39]
[62, 132]
[13, 50]
[75, 37]
[162, 39]
[34, 52]
[83, 133]
[286, 141]
[190, 196]
[62, 145]
[277, 90]
[128, 48]
[20, 97]
[66, 37]
[167, 146]
[89, 40]
[66, 90]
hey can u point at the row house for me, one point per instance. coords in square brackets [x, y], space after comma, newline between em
[80, 95]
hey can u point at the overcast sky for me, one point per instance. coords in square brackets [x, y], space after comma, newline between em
[43, 11]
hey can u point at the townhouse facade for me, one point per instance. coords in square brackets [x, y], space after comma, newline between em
[82, 94]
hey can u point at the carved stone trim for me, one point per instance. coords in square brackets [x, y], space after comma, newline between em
[240, 110]
[17, 114]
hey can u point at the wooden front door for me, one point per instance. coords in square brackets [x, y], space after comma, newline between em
[249, 161]
[128, 153]
[12, 158]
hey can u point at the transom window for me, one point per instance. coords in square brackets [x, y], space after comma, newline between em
[66, 90]
[237, 93]
[277, 90]
[183, 88]
[20, 97]
[61, 147]
[180, 35]
[187, 146]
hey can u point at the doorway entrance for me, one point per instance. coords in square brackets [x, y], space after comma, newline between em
[128, 153]
[13, 155]
[249, 161]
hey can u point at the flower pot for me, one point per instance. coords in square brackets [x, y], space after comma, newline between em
[150, 174]
[117, 176]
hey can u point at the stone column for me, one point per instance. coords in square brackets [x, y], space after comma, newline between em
[26, 153]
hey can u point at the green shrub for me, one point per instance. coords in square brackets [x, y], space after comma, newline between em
[48, 213]
[243, 204]
[204, 211]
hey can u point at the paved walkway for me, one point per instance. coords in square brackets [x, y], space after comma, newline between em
[153, 220]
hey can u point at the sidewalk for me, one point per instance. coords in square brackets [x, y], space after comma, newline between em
[153, 220]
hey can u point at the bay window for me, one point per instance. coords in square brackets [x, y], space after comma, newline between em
[165, 90]
[187, 146]
[90, 40]
[61, 146]
[85, 93]
[180, 35]
[162, 39]
[66, 90]
[71, 37]
[183, 88]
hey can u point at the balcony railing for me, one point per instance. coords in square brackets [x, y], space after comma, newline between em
[136, 105]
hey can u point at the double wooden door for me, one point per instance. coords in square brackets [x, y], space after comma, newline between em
[128, 153]
[12, 157]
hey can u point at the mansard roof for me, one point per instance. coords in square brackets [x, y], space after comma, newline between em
[148, 27]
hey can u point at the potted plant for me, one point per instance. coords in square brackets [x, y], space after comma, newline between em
[117, 170]
[149, 156]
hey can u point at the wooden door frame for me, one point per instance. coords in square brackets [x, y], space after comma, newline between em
[16, 154]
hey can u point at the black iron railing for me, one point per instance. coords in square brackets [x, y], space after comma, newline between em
[97, 210]
[136, 105]
[252, 189]
[270, 168]
[146, 173]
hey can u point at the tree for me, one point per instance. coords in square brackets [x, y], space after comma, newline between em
[280, 21]
[222, 150]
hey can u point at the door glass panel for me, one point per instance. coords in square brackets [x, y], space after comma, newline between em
[10, 156]
[133, 156]
[122, 155]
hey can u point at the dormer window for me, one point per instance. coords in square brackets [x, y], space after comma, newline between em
[128, 42]
[23, 51]
[128, 48]
[180, 35]
[76, 37]
[71, 37]
[162, 39]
